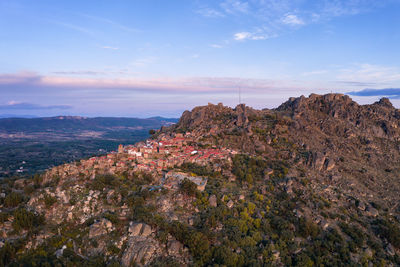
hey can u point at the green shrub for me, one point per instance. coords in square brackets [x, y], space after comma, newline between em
[13, 199]
[188, 187]
[7, 254]
[354, 232]
[49, 200]
[29, 189]
[104, 180]
[388, 230]
[24, 219]
[4, 217]
[113, 249]
[308, 228]
[197, 169]
[111, 217]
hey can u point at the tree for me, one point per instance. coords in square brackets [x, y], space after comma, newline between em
[13, 199]
[188, 187]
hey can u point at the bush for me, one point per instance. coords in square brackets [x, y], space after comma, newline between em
[248, 168]
[104, 180]
[29, 189]
[4, 217]
[197, 169]
[225, 256]
[388, 230]
[13, 199]
[49, 200]
[111, 217]
[188, 187]
[7, 254]
[354, 232]
[27, 220]
[308, 228]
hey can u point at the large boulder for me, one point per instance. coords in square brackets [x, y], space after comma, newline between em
[100, 227]
[139, 229]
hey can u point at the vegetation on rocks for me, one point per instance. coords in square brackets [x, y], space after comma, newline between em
[311, 183]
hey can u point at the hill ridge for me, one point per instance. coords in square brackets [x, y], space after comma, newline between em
[314, 181]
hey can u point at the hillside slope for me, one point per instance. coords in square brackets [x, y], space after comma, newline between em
[311, 183]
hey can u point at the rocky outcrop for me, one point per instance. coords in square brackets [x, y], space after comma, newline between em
[101, 227]
[212, 200]
[141, 246]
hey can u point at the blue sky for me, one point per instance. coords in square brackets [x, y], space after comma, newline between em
[146, 58]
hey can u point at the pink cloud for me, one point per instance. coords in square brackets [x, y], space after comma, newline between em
[176, 85]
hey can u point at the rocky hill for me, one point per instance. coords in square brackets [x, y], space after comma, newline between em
[314, 182]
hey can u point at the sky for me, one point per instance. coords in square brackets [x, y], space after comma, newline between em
[137, 58]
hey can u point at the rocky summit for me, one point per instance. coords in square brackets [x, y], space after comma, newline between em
[314, 182]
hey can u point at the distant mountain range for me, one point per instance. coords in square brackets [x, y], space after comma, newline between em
[2, 116]
[77, 123]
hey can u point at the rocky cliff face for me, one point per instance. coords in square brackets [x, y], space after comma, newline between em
[313, 182]
[332, 136]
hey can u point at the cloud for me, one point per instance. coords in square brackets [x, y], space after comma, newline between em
[83, 72]
[358, 84]
[111, 22]
[15, 105]
[241, 36]
[143, 62]
[74, 27]
[369, 73]
[235, 6]
[315, 72]
[275, 18]
[61, 84]
[293, 20]
[107, 72]
[110, 47]
[216, 46]
[388, 92]
[210, 13]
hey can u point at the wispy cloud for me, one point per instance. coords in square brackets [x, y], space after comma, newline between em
[182, 85]
[358, 84]
[110, 47]
[241, 36]
[82, 72]
[74, 27]
[314, 73]
[277, 17]
[216, 46]
[143, 62]
[235, 6]
[15, 105]
[112, 23]
[210, 13]
[388, 92]
[293, 20]
[369, 73]
[106, 72]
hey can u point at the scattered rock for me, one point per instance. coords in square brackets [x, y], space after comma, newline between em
[100, 227]
[390, 250]
[212, 200]
[139, 229]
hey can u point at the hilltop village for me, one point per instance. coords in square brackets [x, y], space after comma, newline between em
[159, 157]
